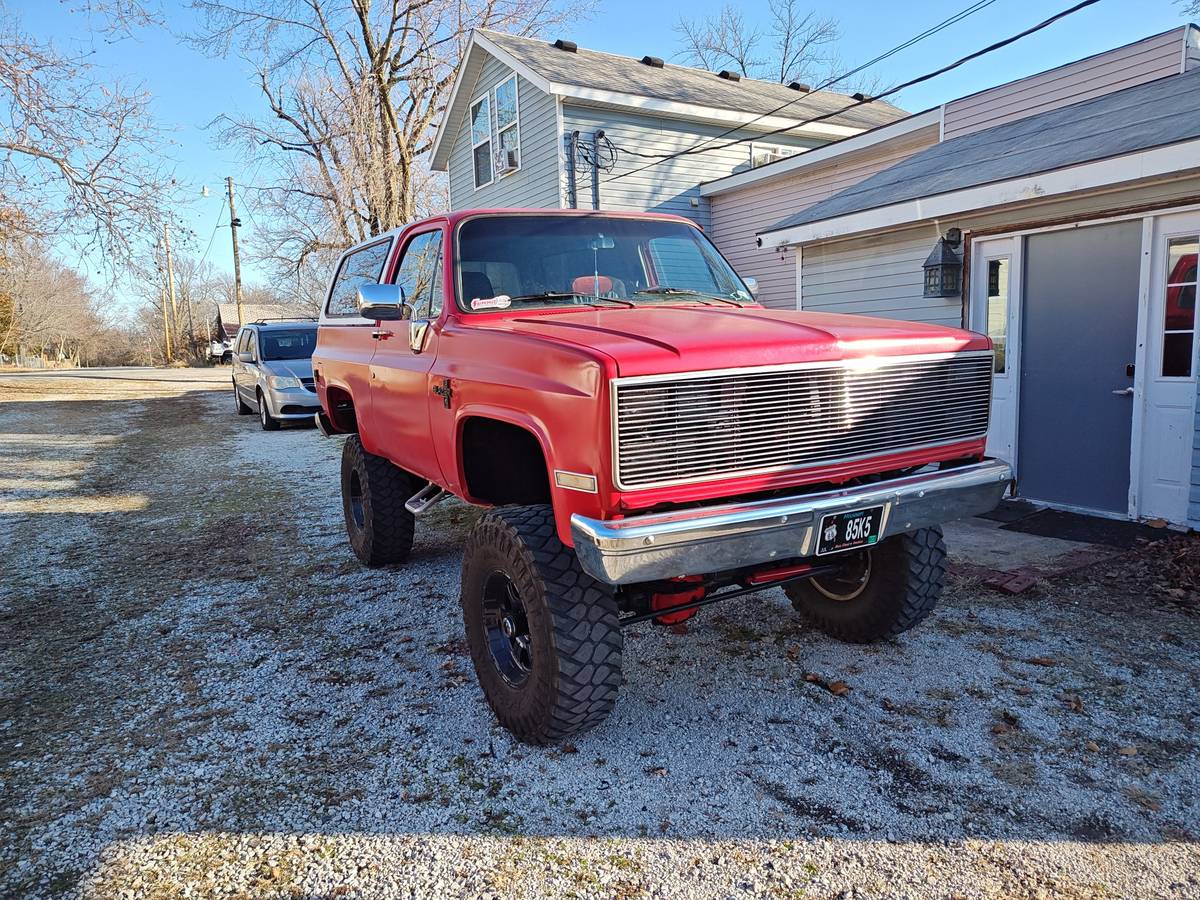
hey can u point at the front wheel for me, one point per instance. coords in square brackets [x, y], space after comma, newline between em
[878, 593]
[544, 635]
[268, 421]
[242, 408]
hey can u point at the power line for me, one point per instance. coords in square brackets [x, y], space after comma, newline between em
[661, 158]
[216, 228]
[928, 32]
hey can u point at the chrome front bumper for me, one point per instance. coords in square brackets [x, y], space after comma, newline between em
[734, 535]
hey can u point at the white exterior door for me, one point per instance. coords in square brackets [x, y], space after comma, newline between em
[1169, 377]
[996, 311]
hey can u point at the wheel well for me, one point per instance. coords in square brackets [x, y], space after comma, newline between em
[341, 410]
[503, 463]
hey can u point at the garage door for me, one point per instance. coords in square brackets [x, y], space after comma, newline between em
[1078, 333]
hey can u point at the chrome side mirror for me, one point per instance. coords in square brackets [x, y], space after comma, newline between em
[752, 286]
[246, 356]
[383, 302]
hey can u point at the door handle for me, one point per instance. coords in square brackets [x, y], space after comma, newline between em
[1127, 392]
[382, 334]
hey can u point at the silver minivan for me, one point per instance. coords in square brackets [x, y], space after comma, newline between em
[272, 372]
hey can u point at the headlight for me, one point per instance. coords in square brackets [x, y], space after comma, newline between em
[281, 382]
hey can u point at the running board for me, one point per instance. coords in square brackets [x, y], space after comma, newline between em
[419, 503]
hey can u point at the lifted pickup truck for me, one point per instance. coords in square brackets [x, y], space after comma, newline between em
[649, 440]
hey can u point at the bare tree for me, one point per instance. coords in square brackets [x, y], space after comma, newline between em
[352, 90]
[82, 158]
[794, 46]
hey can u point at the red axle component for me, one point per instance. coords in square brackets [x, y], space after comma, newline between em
[678, 598]
[766, 576]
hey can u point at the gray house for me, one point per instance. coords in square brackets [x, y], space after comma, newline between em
[532, 123]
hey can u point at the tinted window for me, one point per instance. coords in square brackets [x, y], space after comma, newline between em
[361, 267]
[420, 274]
[298, 344]
[252, 343]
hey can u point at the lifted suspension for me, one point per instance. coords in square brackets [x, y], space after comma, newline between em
[749, 584]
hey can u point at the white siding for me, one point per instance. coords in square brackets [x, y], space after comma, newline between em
[669, 186]
[737, 216]
[1146, 60]
[535, 183]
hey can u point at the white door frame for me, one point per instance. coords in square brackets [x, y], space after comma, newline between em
[1006, 388]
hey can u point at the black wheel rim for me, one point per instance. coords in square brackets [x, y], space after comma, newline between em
[848, 583]
[356, 501]
[507, 628]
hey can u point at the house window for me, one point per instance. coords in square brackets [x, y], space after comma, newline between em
[1179, 316]
[997, 310]
[508, 131]
[481, 141]
[761, 154]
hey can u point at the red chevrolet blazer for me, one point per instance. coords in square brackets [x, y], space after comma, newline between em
[646, 437]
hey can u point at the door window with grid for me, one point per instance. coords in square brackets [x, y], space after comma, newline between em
[1179, 318]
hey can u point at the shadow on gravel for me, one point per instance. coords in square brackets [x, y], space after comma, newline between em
[206, 689]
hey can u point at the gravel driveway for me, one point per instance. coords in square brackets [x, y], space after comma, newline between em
[203, 694]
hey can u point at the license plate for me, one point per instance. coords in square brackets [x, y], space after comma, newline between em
[849, 530]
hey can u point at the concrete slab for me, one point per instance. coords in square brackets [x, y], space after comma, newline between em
[982, 542]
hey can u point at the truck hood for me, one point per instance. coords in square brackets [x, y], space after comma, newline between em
[663, 339]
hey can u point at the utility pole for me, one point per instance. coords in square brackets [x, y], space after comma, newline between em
[171, 282]
[166, 331]
[234, 224]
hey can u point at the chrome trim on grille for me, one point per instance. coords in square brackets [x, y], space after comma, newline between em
[709, 438]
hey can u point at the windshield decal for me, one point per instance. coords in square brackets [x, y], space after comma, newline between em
[500, 301]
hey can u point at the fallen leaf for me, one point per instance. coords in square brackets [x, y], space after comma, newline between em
[1023, 690]
[1074, 702]
[1008, 722]
[1092, 747]
[1131, 750]
[1044, 661]
[659, 771]
[793, 652]
[569, 748]
[889, 705]
[838, 688]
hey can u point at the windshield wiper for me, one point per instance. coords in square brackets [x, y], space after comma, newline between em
[685, 292]
[557, 295]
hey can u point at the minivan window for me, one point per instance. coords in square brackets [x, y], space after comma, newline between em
[297, 344]
[361, 267]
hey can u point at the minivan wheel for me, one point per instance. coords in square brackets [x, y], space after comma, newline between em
[373, 496]
[242, 408]
[544, 636]
[268, 421]
[878, 593]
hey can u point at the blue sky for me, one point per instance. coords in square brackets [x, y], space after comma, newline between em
[190, 89]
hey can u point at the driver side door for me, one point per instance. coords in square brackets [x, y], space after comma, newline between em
[401, 388]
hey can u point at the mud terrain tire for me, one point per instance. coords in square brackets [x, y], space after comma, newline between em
[555, 668]
[373, 496]
[888, 589]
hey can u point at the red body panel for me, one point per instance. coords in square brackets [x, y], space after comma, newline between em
[549, 371]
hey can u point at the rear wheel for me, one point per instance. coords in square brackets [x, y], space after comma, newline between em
[373, 496]
[544, 635]
[878, 593]
[268, 421]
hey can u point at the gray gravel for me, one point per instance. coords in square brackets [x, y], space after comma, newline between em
[202, 694]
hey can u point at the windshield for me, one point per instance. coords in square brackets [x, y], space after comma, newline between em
[298, 344]
[540, 261]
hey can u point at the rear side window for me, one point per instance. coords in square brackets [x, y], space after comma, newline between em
[361, 267]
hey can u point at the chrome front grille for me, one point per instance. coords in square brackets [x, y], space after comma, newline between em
[703, 426]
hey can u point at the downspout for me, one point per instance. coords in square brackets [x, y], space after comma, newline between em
[572, 140]
[596, 136]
